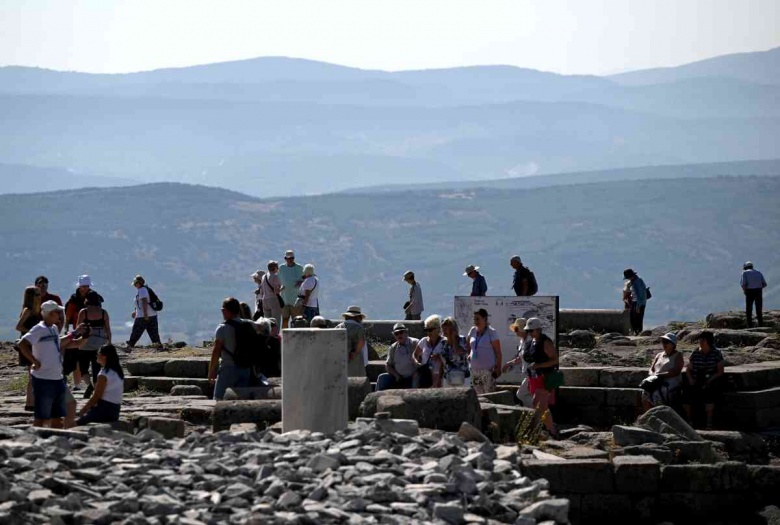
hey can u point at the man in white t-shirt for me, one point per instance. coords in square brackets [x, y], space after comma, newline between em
[43, 347]
[144, 316]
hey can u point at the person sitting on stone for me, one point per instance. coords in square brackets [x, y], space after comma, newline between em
[484, 348]
[662, 386]
[106, 400]
[400, 364]
[356, 338]
[541, 360]
[299, 321]
[432, 344]
[523, 393]
[703, 378]
[453, 358]
[224, 373]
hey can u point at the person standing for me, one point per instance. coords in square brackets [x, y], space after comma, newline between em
[257, 277]
[523, 392]
[541, 359]
[144, 316]
[272, 286]
[291, 277]
[479, 286]
[413, 309]
[753, 283]
[99, 323]
[484, 348]
[308, 294]
[29, 316]
[224, 372]
[77, 301]
[356, 339]
[524, 281]
[42, 283]
[637, 299]
[42, 346]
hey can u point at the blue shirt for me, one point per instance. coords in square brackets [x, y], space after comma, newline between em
[639, 291]
[752, 279]
[479, 286]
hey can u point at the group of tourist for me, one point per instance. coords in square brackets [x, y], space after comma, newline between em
[444, 358]
[670, 382]
[57, 341]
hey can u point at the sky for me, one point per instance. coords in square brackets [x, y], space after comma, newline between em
[563, 36]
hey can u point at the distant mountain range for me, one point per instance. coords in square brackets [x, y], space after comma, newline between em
[277, 126]
[687, 237]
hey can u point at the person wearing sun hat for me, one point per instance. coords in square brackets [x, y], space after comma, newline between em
[356, 339]
[479, 285]
[541, 359]
[662, 385]
[523, 393]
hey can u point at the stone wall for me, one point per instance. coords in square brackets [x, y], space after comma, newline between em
[638, 489]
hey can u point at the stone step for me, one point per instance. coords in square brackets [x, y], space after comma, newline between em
[374, 369]
[757, 410]
[597, 406]
[164, 384]
[756, 376]
[195, 367]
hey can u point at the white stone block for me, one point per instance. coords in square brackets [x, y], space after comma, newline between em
[314, 389]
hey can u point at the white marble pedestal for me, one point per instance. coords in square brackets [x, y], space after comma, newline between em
[314, 385]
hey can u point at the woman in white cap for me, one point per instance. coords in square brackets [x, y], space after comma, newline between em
[356, 339]
[663, 384]
[77, 301]
[309, 293]
[541, 359]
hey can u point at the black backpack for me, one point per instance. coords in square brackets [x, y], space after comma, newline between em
[533, 286]
[154, 302]
[249, 344]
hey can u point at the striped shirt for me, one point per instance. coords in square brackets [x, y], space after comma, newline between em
[705, 364]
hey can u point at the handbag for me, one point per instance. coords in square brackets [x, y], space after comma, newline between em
[300, 301]
[651, 383]
[553, 380]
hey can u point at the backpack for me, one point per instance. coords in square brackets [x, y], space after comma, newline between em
[154, 302]
[249, 343]
[533, 286]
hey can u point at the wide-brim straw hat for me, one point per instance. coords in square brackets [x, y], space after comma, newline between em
[353, 311]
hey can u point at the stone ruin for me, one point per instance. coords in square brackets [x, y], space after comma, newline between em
[405, 456]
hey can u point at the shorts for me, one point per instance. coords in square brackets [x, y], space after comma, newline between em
[50, 398]
[537, 383]
[290, 310]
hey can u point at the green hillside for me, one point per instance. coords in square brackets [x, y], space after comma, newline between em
[686, 237]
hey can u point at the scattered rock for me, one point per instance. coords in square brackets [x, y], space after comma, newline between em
[665, 420]
[469, 432]
[627, 436]
[186, 390]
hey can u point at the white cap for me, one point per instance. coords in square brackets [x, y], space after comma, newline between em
[50, 306]
[289, 254]
[534, 323]
[84, 280]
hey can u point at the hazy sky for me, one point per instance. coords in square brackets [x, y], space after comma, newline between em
[574, 36]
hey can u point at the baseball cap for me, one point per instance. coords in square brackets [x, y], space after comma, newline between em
[51, 306]
[534, 323]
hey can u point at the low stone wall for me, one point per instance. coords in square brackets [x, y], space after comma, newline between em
[602, 321]
[638, 489]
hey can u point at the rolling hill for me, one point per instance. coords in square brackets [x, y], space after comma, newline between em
[195, 245]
